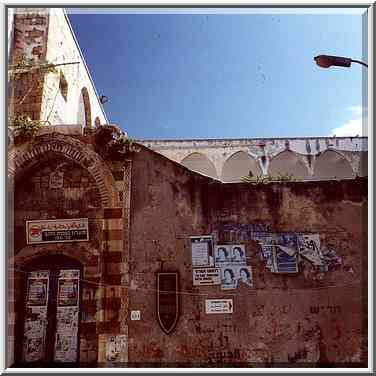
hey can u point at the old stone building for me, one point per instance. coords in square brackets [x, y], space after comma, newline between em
[120, 256]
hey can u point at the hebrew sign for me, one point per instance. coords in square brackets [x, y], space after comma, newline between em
[57, 231]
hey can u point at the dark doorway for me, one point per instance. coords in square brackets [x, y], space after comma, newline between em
[48, 329]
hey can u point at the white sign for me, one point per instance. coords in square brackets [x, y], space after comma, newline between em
[135, 315]
[218, 306]
[57, 231]
[206, 277]
[202, 250]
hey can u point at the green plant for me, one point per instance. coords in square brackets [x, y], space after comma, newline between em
[24, 126]
[265, 179]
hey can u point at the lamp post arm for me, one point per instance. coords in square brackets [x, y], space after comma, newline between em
[359, 62]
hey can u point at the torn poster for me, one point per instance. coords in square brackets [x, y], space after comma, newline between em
[34, 334]
[116, 348]
[283, 262]
[309, 247]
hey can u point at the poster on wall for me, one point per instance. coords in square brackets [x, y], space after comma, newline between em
[67, 315]
[37, 291]
[116, 349]
[229, 279]
[244, 276]
[34, 334]
[222, 254]
[206, 276]
[57, 230]
[202, 250]
[68, 292]
[309, 247]
[238, 256]
[283, 262]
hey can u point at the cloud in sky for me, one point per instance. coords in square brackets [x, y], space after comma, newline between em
[353, 126]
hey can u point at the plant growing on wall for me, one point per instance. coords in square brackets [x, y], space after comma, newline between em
[112, 142]
[266, 179]
[22, 124]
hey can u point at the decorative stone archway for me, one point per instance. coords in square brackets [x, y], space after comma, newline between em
[22, 158]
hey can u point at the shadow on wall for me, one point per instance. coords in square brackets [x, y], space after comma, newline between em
[238, 165]
[332, 165]
[200, 163]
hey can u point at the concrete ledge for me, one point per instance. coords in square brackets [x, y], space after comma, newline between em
[68, 129]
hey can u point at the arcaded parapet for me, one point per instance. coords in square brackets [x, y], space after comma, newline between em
[302, 158]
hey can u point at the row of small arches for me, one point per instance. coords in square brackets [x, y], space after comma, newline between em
[329, 165]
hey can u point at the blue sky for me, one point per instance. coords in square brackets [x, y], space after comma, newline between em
[171, 75]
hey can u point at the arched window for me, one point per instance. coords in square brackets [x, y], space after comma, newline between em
[84, 110]
[239, 165]
[287, 162]
[332, 165]
[200, 163]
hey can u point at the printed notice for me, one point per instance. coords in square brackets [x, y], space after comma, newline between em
[202, 250]
[218, 306]
[206, 276]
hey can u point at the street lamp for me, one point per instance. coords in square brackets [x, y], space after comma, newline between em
[326, 61]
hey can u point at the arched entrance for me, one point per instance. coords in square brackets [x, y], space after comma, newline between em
[48, 327]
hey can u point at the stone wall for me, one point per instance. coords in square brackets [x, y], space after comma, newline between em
[67, 96]
[311, 317]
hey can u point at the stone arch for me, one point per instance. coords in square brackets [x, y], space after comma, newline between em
[332, 165]
[238, 165]
[30, 253]
[84, 108]
[22, 159]
[287, 162]
[200, 163]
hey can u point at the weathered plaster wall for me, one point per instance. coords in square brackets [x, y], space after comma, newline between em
[309, 317]
[345, 157]
[62, 47]
[45, 34]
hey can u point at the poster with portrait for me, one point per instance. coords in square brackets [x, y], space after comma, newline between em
[202, 250]
[237, 254]
[229, 279]
[222, 255]
[244, 275]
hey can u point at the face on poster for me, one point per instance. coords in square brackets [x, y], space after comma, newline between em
[222, 254]
[238, 255]
[228, 277]
[244, 276]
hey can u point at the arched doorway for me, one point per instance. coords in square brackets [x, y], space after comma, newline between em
[48, 327]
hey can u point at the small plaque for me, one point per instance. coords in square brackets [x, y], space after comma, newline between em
[135, 315]
[219, 306]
